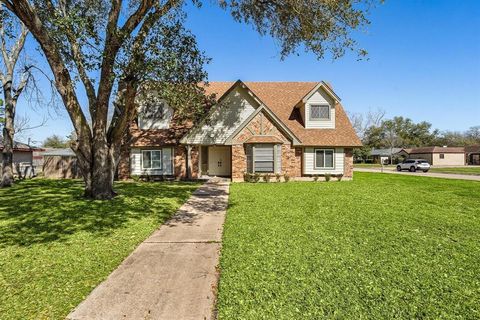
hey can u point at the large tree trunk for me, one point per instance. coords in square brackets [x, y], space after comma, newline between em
[7, 153]
[98, 173]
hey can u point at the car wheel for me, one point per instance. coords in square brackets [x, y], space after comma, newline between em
[425, 171]
[399, 168]
[412, 169]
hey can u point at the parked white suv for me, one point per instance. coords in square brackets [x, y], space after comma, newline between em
[413, 165]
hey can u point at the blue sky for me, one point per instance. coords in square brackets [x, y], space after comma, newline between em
[424, 62]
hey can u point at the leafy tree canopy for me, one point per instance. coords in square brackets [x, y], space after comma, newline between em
[119, 50]
[55, 141]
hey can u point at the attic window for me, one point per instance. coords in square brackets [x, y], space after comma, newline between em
[319, 112]
[154, 110]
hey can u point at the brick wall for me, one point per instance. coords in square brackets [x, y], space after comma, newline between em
[180, 162]
[239, 162]
[261, 125]
[124, 164]
[348, 163]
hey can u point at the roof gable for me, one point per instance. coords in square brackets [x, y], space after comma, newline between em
[232, 109]
[282, 99]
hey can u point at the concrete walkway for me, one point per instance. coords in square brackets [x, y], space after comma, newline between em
[172, 274]
[421, 174]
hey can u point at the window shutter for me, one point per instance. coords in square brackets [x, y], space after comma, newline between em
[249, 154]
[278, 168]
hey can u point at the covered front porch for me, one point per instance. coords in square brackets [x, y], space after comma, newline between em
[215, 161]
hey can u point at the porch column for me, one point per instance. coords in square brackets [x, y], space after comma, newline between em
[189, 162]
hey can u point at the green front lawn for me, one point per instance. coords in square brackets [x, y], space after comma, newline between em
[55, 246]
[378, 247]
[458, 170]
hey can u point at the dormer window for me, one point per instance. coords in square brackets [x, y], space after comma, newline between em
[154, 114]
[154, 110]
[319, 112]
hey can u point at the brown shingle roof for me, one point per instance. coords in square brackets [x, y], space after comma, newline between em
[156, 137]
[282, 98]
[472, 149]
[437, 150]
[264, 139]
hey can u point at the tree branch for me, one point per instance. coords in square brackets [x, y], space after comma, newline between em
[78, 56]
[24, 11]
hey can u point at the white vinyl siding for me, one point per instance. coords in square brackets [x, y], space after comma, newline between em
[319, 98]
[224, 119]
[139, 167]
[309, 163]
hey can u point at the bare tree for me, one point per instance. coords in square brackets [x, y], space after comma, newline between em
[362, 122]
[13, 83]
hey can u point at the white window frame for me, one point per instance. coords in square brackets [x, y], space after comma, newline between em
[315, 159]
[161, 159]
[320, 105]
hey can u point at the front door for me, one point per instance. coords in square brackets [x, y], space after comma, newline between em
[219, 161]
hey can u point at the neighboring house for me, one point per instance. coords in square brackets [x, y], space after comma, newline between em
[439, 156]
[294, 128]
[60, 164]
[23, 155]
[472, 154]
[388, 154]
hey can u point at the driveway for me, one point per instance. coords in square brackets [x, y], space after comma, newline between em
[172, 274]
[421, 174]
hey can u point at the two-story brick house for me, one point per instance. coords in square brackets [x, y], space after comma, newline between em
[294, 128]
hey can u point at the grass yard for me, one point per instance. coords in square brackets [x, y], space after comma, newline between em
[55, 246]
[458, 170]
[378, 247]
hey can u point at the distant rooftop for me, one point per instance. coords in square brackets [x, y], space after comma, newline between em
[19, 146]
[60, 152]
[385, 152]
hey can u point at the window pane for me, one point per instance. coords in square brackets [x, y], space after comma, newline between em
[156, 164]
[264, 158]
[264, 166]
[319, 112]
[147, 162]
[329, 158]
[319, 158]
[263, 152]
[156, 155]
[325, 112]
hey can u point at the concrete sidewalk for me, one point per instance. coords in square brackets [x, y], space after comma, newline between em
[421, 174]
[172, 274]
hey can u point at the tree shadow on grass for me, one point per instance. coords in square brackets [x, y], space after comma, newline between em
[42, 211]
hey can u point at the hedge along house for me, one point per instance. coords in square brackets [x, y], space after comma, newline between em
[294, 128]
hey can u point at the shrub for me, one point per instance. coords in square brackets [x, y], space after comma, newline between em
[328, 176]
[135, 178]
[266, 177]
[315, 177]
[339, 177]
[246, 177]
[278, 176]
[255, 177]
[286, 177]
